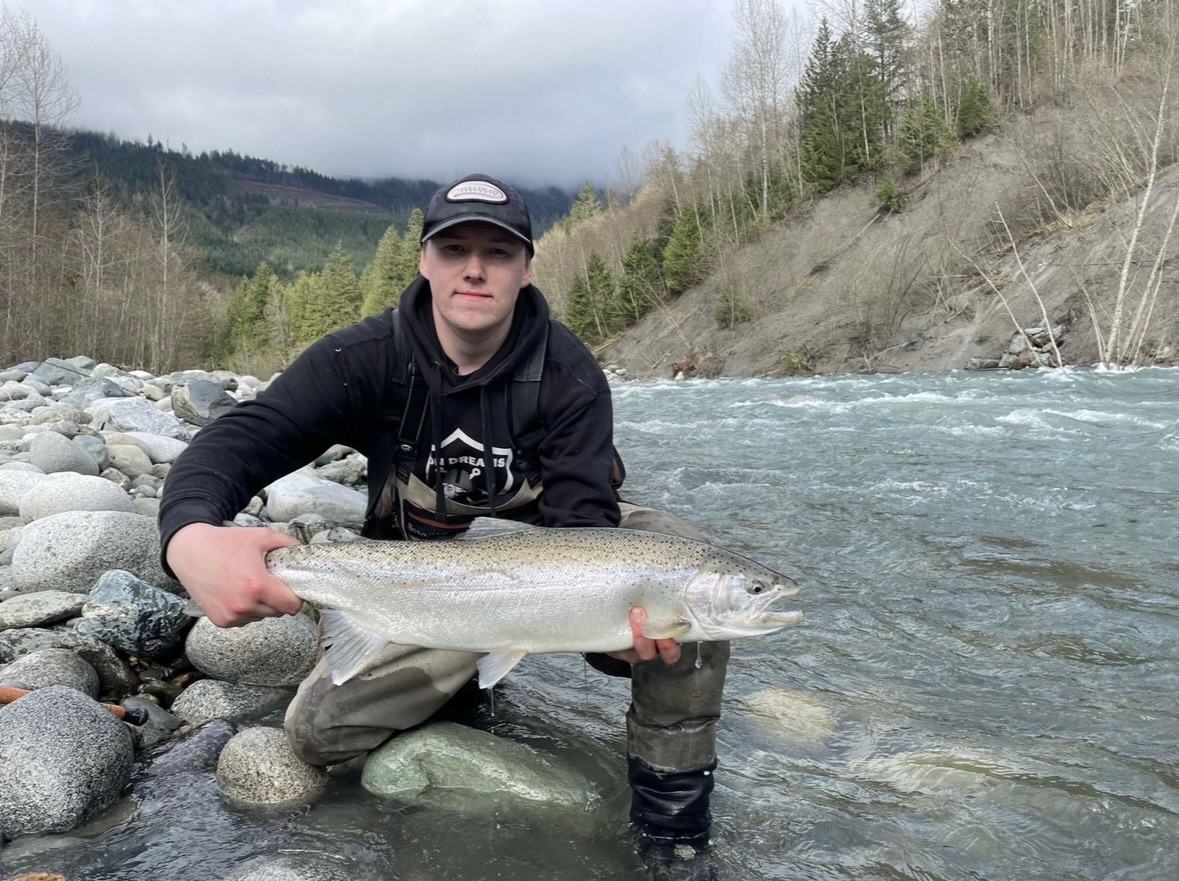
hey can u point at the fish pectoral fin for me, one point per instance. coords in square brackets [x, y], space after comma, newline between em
[653, 629]
[347, 646]
[494, 666]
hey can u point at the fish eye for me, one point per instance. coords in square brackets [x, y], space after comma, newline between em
[757, 587]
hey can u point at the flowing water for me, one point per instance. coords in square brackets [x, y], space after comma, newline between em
[985, 686]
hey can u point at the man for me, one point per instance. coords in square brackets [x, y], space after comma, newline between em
[433, 394]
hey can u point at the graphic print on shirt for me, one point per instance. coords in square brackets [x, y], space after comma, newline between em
[462, 464]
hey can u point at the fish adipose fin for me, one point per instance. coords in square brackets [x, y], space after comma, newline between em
[665, 629]
[496, 665]
[346, 645]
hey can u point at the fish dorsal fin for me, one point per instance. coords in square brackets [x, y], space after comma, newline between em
[494, 666]
[347, 646]
[486, 527]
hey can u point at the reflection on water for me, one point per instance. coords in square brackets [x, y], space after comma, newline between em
[984, 687]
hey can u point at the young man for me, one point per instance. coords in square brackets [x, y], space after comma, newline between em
[437, 396]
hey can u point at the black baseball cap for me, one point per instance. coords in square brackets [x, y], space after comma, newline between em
[479, 197]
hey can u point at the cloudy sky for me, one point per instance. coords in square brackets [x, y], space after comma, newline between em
[536, 91]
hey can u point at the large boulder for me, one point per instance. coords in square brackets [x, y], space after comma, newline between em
[42, 607]
[303, 493]
[273, 652]
[132, 615]
[69, 551]
[15, 484]
[201, 401]
[114, 675]
[258, 767]
[210, 699]
[53, 452]
[455, 758]
[46, 667]
[135, 414]
[73, 492]
[63, 760]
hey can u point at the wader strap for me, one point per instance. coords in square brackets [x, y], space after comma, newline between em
[522, 396]
[413, 414]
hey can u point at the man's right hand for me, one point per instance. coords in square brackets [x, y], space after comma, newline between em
[223, 568]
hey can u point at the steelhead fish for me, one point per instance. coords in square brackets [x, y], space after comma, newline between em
[510, 589]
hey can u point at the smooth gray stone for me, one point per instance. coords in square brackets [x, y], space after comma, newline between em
[273, 652]
[46, 667]
[161, 450]
[131, 460]
[194, 750]
[223, 378]
[448, 756]
[159, 726]
[117, 477]
[133, 616]
[84, 363]
[12, 375]
[56, 371]
[53, 452]
[209, 699]
[258, 767]
[301, 867]
[70, 551]
[146, 507]
[15, 485]
[67, 493]
[63, 760]
[96, 447]
[135, 414]
[114, 675]
[200, 402]
[304, 493]
[60, 413]
[85, 396]
[42, 607]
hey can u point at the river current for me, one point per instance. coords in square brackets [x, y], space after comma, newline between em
[985, 685]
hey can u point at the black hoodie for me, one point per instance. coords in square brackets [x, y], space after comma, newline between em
[339, 392]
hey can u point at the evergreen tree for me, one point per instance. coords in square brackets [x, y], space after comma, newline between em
[975, 110]
[587, 205]
[330, 300]
[924, 135]
[885, 36]
[411, 249]
[381, 279]
[641, 286]
[579, 309]
[683, 257]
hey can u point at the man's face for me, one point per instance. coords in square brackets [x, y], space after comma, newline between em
[476, 271]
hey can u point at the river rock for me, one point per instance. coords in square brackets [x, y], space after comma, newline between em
[200, 401]
[46, 667]
[15, 485]
[300, 867]
[63, 760]
[42, 607]
[161, 450]
[70, 551]
[73, 492]
[114, 676]
[60, 413]
[86, 396]
[96, 447]
[210, 699]
[258, 767]
[55, 371]
[133, 616]
[129, 459]
[159, 726]
[446, 755]
[273, 652]
[135, 414]
[52, 452]
[303, 493]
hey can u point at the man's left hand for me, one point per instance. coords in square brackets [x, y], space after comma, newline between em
[647, 649]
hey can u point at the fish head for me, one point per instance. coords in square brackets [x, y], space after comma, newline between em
[729, 598]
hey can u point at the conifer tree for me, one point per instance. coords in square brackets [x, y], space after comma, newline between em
[683, 256]
[411, 249]
[641, 286]
[329, 301]
[381, 279]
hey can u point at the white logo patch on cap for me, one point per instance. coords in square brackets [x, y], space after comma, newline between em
[476, 191]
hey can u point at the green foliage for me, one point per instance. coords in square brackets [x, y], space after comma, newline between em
[324, 302]
[730, 307]
[924, 135]
[641, 286]
[381, 279]
[890, 195]
[683, 263]
[586, 205]
[599, 299]
[975, 112]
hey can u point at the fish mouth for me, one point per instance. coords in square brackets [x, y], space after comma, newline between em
[762, 616]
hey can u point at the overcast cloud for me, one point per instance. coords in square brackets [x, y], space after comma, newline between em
[535, 91]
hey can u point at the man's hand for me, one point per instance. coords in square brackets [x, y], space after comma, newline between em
[224, 569]
[647, 649]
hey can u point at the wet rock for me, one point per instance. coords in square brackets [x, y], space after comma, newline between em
[133, 616]
[46, 667]
[73, 492]
[258, 767]
[42, 607]
[272, 652]
[160, 724]
[70, 551]
[63, 759]
[114, 675]
[300, 867]
[448, 756]
[301, 493]
[212, 699]
[194, 749]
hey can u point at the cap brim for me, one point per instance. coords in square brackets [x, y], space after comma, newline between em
[475, 218]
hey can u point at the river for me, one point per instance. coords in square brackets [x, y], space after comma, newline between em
[985, 685]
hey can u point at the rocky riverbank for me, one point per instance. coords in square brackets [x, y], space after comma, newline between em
[88, 615]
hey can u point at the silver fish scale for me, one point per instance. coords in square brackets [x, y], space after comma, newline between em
[538, 590]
